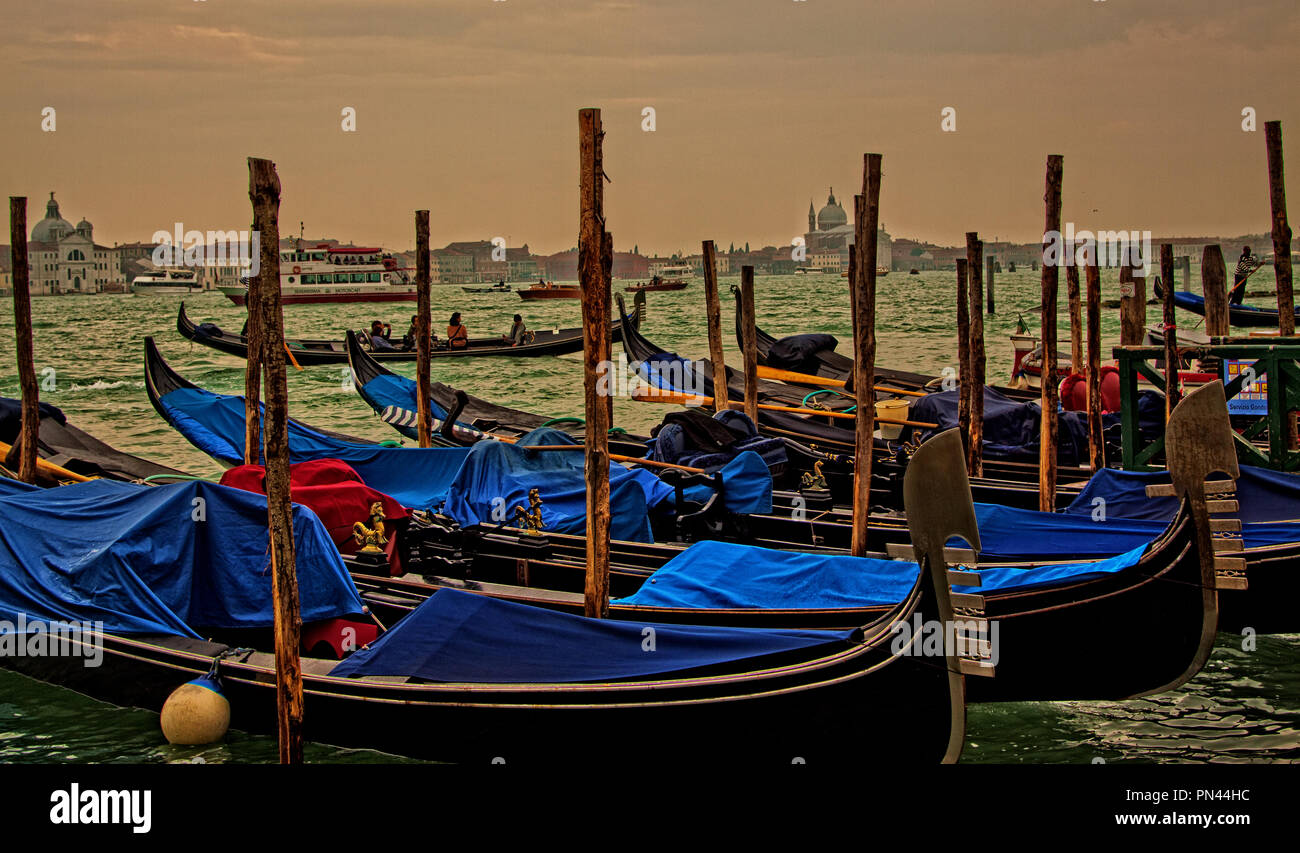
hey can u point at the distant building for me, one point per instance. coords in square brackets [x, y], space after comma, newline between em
[830, 229]
[65, 258]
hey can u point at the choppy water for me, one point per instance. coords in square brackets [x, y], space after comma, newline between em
[1243, 707]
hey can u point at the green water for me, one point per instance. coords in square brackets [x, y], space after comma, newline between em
[1243, 707]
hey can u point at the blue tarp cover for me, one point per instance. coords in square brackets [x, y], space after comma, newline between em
[746, 485]
[136, 559]
[393, 390]
[727, 575]
[1011, 428]
[416, 477]
[496, 474]
[462, 637]
[1264, 495]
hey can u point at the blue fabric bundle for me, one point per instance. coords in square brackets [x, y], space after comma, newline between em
[726, 575]
[462, 637]
[496, 474]
[158, 560]
[1264, 495]
[416, 477]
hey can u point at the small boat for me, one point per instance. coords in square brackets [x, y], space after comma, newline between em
[499, 287]
[657, 283]
[166, 281]
[1244, 316]
[548, 290]
[308, 352]
[336, 274]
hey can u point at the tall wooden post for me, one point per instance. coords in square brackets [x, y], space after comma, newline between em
[988, 286]
[1050, 283]
[1076, 317]
[963, 354]
[1096, 439]
[1281, 229]
[713, 313]
[1214, 284]
[866, 217]
[264, 192]
[1171, 328]
[595, 339]
[1132, 306]
[749, 334]
[254, 338]
[423, 331]
[23, 453]
[975, 267]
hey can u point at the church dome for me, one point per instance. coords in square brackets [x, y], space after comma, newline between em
[84, 227]
[832, 215]
[53, 227]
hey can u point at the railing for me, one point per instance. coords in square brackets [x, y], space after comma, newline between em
[1262, 384]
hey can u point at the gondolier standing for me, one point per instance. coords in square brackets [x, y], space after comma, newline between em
[1246, 265]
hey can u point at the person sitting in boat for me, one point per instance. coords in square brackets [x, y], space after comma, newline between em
[457, 334]
[517, 332]
[1246, 265]
[408, 340]
[379, 334]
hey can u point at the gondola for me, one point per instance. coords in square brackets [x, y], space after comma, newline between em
[309, 352]
[545, 681]
[69, 453]
[1245, 316]
[823, 433]
[1169, 588]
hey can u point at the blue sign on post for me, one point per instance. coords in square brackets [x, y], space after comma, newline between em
[1252, 399]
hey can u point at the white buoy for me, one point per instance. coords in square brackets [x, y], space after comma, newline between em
[196, 713]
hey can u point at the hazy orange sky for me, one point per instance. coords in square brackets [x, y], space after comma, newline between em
[469, 108]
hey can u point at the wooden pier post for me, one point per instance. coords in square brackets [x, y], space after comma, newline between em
[866, 211]
[592, 250]
[1096, 438]
[1185, 261]
[1050, 283]
[963, 355]
[1076, 317]
[1132, 306]
[423, 331]
[713, 313]
[264, 192]
[1281, 229]
[988, 286]
[1171, 328]
[22, 456]
[749, 333]
[975, 266]
[1214, 284]
[254, 339]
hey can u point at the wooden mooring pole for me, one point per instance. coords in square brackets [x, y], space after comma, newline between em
[1050, 283]
[975, 267]
[749, 333]
[963, 355]
[713, 313]
[1096, 438]
[22, 456]
[1171, 328]
[1132, 306]
[1076, 317]
[264, 192]
[1214, 284]
[988, 286]
[866, 211]
[254, 338]
[423, 331]
[592, 252]
[1281, 229]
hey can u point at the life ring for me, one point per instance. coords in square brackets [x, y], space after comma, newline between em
[297, 269]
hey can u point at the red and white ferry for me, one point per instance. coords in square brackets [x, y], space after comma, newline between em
[337, 274]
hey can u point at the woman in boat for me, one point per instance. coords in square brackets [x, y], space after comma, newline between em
[457, 334]
[517, 332]
[379, 333]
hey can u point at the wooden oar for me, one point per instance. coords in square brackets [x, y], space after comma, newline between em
[694, 400]
[809, 379]
[617, 457]
[289, 353]
[49, 469]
